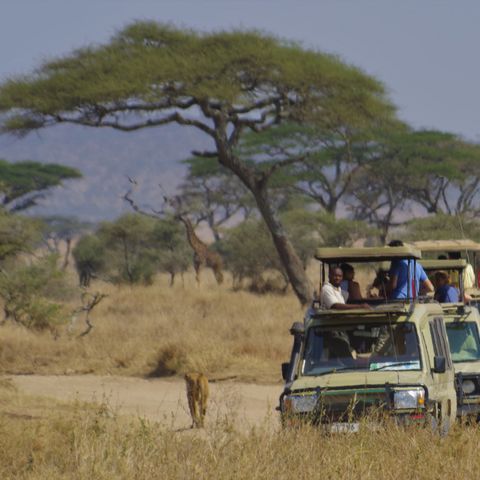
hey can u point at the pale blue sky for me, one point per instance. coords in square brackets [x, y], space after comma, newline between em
[425, 51]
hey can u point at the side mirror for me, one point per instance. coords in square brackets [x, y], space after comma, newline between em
[285, 367]
[297, 329]
[439, 365]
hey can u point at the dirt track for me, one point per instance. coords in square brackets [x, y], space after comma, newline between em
[162, 400]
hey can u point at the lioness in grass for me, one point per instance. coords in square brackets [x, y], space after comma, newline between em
[197, 394]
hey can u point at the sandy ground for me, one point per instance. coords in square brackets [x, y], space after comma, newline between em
[162, 400]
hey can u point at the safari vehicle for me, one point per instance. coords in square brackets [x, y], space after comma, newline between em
[469, 249]
[463, 326]
[393, 359]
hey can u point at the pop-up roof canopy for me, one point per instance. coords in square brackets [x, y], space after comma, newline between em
[366, 254]
[459, 264]
[447, 245]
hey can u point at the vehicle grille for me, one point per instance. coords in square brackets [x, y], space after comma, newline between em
[348, 407]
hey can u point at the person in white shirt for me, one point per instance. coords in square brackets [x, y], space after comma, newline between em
[331, 294]
[468, 273]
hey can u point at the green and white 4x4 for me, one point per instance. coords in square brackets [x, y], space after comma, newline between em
[393, 359]
[462, 322]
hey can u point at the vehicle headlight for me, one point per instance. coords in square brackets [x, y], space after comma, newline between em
[468, 387]
[301, 403]
[408, 399]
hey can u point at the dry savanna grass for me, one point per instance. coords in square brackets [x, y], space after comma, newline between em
[158, 330]
[62, 441]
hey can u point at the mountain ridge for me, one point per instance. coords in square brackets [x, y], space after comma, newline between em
[106, 157]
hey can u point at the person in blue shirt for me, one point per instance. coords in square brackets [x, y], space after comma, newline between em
[445, 292]
[399, 280]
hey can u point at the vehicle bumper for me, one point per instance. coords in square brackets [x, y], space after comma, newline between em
[468, 409]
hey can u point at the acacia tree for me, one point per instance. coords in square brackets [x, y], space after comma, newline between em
[440, 170]
[403, 168]
[22, 184]
[224, 84]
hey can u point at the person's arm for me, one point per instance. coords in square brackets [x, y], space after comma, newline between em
[354, 292]
[426, 287]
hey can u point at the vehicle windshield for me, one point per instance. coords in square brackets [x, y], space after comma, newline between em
[361, 347]
[464, 341]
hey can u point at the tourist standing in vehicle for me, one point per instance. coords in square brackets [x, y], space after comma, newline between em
[399, 278]
[468, 273]
[331, 296]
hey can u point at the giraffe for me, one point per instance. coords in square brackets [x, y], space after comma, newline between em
[202, 255]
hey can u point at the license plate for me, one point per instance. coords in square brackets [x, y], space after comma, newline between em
[344, 427]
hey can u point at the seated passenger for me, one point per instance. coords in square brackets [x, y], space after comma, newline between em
[331, 294]
[445, 292]
[348, 285]
[398, 285]
[378, 288]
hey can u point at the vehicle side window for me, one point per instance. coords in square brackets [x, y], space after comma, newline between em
[439, 336]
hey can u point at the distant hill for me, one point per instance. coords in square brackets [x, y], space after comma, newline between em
[106, 157]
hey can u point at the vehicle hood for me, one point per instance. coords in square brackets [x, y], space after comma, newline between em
[467, 367]
[359, 379]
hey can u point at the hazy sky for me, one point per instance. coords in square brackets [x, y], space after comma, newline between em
[425, 51]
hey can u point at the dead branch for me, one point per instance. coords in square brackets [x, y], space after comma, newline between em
[89, 302]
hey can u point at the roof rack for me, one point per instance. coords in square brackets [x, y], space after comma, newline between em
[458, 264]
[367, 254]
[447, 245]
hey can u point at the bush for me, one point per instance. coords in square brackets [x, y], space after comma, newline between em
[89, 257]
[132, 250]
[250, 253]
[31, 293]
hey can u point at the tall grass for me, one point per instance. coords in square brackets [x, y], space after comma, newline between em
[158, 330]
[93, 443]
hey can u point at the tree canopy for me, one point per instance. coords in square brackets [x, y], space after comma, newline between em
[223, 83]
[22, 184]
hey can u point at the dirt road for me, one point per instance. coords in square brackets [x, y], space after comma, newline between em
[162, 400]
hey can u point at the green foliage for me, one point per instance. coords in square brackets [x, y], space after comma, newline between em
[89, 257]
[131, 256]
[132, 249]
[174, 253]
[249, 253]
[150, 62]
[17, 234]
[61, 227]
[23, 183]
[442, 227]
[31, 293]
[310, 230]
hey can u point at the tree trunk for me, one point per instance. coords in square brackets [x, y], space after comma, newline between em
[299, 280]
[66, 258]
[289, 258]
